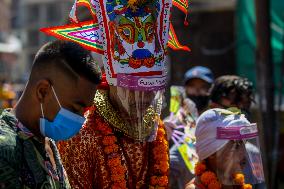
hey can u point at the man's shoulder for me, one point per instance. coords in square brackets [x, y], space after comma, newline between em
[8, 141]
[7, 134]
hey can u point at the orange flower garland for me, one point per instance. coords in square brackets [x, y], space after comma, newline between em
[239, 179]
[118, 172]
[209, 179]
[161, 158]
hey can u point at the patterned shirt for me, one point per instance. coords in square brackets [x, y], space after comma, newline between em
[24, 162]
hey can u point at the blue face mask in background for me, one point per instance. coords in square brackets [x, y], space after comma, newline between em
[65, 124]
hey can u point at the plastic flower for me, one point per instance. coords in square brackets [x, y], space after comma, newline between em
[239, 178]
[208, 177]
[199, 168]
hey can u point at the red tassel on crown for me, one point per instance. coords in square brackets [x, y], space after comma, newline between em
[104, 84]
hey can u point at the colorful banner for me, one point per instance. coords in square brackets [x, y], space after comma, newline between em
[181, 5]
[86, 34]
[132, 36]
[77, 3]
[173, 42]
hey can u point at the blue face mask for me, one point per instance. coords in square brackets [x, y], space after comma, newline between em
[65, 124]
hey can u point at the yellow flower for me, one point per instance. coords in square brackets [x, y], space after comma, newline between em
[132, 2]
[239, 178]
[247, 186]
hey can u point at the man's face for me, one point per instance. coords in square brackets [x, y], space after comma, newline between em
[75, 97]
[197, 87]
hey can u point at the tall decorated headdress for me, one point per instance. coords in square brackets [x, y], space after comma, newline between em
[132, 36]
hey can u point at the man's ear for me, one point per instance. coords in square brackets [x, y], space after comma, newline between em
[43, 90]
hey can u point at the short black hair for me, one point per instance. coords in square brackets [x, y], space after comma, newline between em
[70, 55]
[225, 85]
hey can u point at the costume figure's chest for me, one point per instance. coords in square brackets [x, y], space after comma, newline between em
[134, 158]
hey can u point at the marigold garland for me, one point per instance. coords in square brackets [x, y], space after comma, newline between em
[118, 173]
[247, 186]
[161, 157]
[199, 168]
[214, 185]
[239, 178]
[209, 179]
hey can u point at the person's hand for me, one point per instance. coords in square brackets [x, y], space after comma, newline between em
[190, 185]
[190, 108]
[169, 128]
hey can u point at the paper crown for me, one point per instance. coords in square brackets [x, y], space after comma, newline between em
[132, 36]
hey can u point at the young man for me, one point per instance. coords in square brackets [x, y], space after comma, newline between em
[61, 85]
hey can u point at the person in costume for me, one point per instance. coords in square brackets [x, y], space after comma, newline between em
[123, 143]
[61, 85]
[111, 151]
[227, 144]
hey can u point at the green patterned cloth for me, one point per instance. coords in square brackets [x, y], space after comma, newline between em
[24, 162]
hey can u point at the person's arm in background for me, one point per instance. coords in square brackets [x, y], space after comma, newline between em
[179, 174]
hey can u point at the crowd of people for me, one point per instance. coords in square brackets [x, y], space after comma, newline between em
[112, 149]
[82, 126]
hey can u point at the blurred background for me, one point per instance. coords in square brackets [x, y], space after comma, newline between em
[228, 36]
